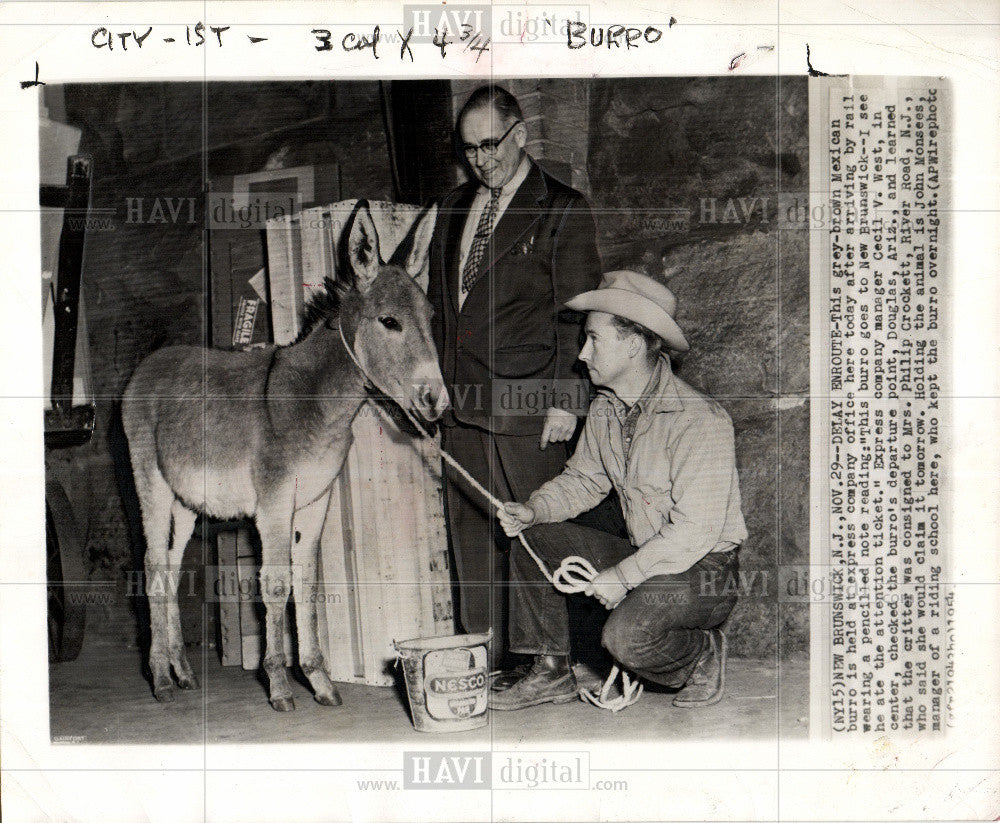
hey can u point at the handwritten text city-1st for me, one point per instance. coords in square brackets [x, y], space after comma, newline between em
[377, 42]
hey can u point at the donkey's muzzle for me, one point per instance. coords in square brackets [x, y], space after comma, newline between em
[433, 402]
[430, 397]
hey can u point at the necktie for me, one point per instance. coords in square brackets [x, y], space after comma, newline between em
[484, 228]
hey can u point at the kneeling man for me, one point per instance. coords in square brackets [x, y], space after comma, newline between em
[668, 451]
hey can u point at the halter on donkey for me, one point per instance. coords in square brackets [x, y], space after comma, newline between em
[264, 433]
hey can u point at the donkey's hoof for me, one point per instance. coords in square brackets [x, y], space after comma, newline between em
[332, 699]
[188, 682]
[283, 704]
[164, 694]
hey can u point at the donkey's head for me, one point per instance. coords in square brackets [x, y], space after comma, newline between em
[387, 317]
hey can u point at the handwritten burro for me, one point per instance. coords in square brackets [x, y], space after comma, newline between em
[264, 433]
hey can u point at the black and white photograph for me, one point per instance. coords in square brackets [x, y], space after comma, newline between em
[480, 412]
[260, 510]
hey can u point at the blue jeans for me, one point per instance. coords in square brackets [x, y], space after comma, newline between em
[657, 631]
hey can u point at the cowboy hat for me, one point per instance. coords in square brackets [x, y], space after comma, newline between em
[638, 298]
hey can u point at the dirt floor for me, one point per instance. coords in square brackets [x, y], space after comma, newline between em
[103, 697]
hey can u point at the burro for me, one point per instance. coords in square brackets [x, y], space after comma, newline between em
[579, 34]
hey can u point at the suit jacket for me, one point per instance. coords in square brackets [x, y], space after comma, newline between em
[512, 336]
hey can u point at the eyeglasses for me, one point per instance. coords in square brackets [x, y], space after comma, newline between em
[487, 147]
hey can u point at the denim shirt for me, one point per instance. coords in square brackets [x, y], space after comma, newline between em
[675, 476]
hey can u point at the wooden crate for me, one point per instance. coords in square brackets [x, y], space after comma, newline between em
[383, 550]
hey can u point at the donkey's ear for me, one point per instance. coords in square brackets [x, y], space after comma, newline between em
[362, 249]
[421, 248]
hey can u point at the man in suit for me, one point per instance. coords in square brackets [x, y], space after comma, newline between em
[510, 247]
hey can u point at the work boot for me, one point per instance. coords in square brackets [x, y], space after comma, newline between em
[503, 680]
[550, 680]
[708, 679]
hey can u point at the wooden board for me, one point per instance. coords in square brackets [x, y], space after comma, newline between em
[229, 602]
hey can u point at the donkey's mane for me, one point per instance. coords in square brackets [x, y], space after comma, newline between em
[322, 306]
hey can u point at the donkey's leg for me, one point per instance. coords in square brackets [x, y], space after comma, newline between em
[308, 525]
[274, 522]
[183, 526]
[155, 500]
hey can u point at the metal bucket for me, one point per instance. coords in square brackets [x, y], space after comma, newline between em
[447, 681]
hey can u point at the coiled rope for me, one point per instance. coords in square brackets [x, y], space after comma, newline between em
[571, 577]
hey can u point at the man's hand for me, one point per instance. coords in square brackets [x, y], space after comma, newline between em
[515, 518]
[559, 426]
[607, 588]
